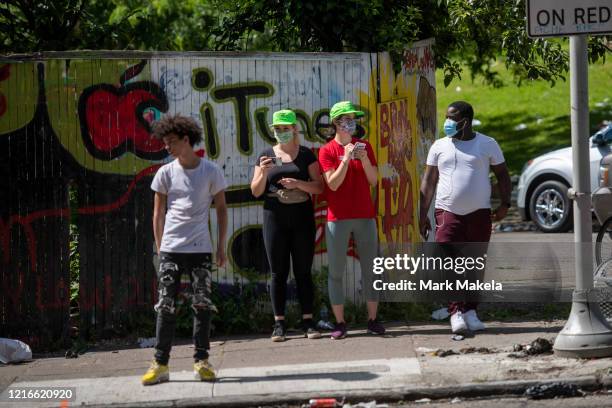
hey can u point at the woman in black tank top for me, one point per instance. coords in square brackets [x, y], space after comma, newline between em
[286, 175]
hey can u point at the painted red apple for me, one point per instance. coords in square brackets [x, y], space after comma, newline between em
[116, 119]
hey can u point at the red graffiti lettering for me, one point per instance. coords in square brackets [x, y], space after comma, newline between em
[400, 191]
[89, 299]
[58, 293]
[124, 198]
[412, 62]
[427, 61]
[4, 74]
[397, 189]
[398, 130]
[3, 104]
[133, 298]
[25, 222]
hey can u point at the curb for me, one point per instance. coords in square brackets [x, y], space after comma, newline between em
[468, 390]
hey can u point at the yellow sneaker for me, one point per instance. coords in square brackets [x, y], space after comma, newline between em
[203, 371]
[156, 374]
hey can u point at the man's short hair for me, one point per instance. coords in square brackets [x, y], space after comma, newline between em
[179, 125]
[464, 108]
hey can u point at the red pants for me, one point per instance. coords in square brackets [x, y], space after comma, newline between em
[472, 227]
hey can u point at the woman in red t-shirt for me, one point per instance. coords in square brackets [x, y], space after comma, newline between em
[349, 169]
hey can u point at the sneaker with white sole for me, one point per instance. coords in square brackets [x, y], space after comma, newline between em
[339, 331]
[279, 332]
[458, 324]
[472, 321]
[310, 329]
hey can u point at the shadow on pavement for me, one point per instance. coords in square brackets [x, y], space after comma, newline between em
[491, 330]
[338, 376]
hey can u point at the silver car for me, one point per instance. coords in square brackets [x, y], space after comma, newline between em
[542, 188]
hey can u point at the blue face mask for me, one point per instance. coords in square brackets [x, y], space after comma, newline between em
[450, 128]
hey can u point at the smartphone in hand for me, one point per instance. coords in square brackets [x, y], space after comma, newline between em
[358, 147]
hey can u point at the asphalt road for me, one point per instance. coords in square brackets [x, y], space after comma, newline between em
[591, 401]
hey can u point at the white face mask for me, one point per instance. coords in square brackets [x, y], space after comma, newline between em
[348, 125]
[283, 137]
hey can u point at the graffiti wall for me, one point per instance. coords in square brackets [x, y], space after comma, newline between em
[76, 150]
[406, 128]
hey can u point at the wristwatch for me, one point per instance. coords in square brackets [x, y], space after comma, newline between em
[507, 204]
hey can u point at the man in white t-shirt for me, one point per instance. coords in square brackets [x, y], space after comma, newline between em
[459, 165]
[184, 191]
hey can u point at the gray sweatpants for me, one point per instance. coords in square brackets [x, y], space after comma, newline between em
[366, 240]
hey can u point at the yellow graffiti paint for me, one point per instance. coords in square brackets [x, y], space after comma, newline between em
[18, 95]
[397, 158]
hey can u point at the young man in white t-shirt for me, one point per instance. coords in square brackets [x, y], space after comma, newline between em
[459, 165]
[184, 190]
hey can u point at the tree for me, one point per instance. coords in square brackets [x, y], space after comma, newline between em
[27, 25]
[164, 25]
[34, 25]
[472, 33]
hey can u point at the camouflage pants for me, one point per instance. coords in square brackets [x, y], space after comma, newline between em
[171, 267]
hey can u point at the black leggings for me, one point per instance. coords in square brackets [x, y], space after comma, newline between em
[289, 230]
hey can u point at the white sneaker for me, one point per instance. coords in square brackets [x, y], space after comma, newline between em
[472, 320]
[458, 324]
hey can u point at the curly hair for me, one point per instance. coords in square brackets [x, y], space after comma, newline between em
[179, 125]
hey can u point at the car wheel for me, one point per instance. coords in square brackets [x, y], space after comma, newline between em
[550, 207]
[603, 243]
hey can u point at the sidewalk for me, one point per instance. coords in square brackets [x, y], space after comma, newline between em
[253, 370]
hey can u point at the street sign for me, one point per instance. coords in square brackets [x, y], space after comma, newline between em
[558, 18]
[587, 333]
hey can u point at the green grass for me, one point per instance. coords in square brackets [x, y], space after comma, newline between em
[544, 110]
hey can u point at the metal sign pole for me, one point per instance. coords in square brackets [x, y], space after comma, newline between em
[579, 94]
[586, 333]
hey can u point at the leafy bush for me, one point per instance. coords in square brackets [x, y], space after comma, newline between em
[243, 308]
[74, 262]
[73, 245]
